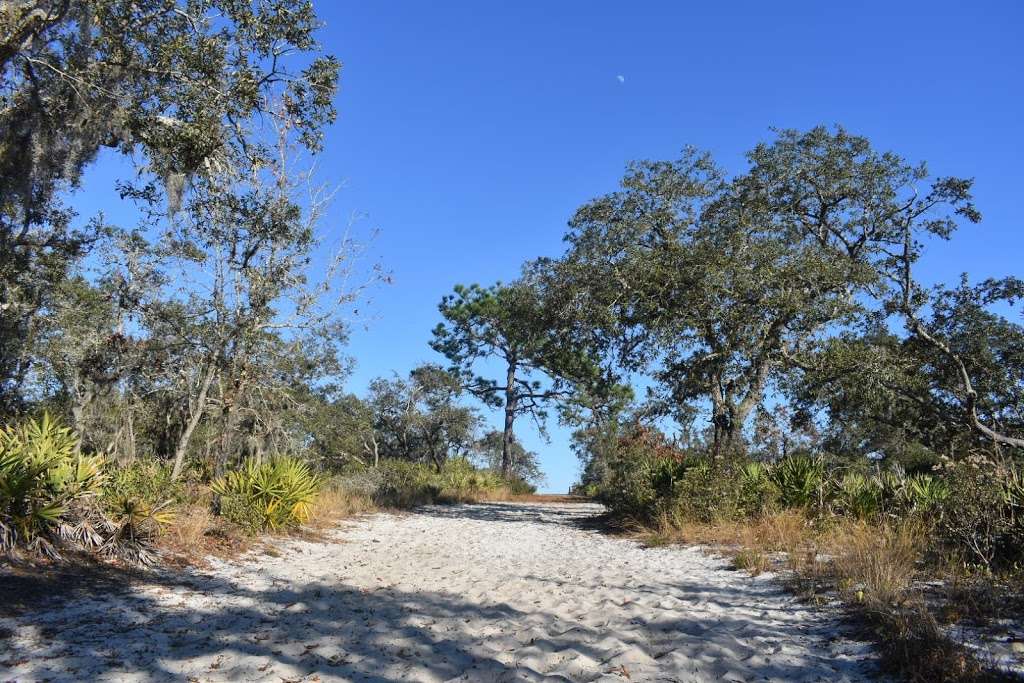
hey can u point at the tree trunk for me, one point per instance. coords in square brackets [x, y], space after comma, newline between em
[193, 421]
[224, 446]
[82, 398]
[510, 417]
[129, 434]
[720, 420]
[435, 456]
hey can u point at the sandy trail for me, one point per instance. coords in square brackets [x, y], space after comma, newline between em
[498, 592]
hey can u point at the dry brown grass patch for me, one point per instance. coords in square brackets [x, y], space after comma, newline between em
[876, 564]
[188, 528]
[335, 503]
[195, 533]
[751, 561]
[786, 531]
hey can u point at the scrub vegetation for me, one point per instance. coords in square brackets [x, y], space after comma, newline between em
[747, 358]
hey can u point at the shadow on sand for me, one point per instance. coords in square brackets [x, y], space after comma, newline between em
[114, 628]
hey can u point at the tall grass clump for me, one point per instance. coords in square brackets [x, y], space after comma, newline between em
[877, 563]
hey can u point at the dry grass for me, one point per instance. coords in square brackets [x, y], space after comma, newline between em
[752, 561]
[871, 567]
[915, 649]
[189, 527]
[196, 533]
[786, 531]
[335, 503]
[667, 532]
[876, 564]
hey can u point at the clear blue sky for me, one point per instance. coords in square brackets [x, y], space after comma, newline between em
[469, 132]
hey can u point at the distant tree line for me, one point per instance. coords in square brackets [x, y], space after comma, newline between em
[201, 334]
[762, 312]
[773, 309]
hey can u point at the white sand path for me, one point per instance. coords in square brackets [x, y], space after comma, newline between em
[498, 592]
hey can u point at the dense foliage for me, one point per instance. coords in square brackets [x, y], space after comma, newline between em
[43, 479]
[973, 509]
[275, 494]
[722, 344]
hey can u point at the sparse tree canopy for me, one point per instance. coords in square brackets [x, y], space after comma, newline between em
[506, 323]
[176, 84]
[525, 465]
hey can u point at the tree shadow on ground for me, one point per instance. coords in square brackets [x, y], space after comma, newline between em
[339, 632]
[27, 586]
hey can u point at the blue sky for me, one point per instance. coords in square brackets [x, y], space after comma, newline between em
[470, 131]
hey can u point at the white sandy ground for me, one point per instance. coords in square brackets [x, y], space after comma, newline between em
[497, 592]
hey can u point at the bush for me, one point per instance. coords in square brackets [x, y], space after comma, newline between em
[708, 491]
[858, 496]
[642, 475]
[146, 480]
[365, 483]
[406, 484]
[648, 488]
[925, 494]
[638, 485]
[980, 515]
[458, 478]
[47, 489]
[133, 525]
[758, 493]
[800, 480]
[271, 495]
[518, 487]
[589, 490]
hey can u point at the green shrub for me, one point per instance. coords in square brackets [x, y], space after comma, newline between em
[758, 493]
[639, 484]
[696, 489]
[518, 487]
[925, 494]
[132, 526]
[980, 516]
[1013, 494]
[274, 494]
[589, 490]
[140, 498]
[46, 488]
[146, 480]
[643, 475]
[406, 484]
[459, 477]
[858, 495]
[707, 491]
[800, 479]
